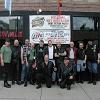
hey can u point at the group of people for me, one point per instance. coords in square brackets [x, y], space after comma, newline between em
[48, 64]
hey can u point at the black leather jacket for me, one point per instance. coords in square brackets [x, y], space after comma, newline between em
[45, 69]
[65, 71]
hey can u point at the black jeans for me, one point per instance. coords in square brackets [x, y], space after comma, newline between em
[6, 71]
[65, 82]
[15, 71]
[40, 77]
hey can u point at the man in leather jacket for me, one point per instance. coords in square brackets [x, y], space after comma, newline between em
[44, 72]
[66, 74]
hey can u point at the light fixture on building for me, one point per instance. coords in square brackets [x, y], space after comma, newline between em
[39, 10]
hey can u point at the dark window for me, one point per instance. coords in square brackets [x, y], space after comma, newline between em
[4, 23]
[11, 27]
[85, 23]
[11, 23]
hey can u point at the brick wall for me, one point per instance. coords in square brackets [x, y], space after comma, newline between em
[51, 5]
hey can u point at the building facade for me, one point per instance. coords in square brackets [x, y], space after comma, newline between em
[85, 17]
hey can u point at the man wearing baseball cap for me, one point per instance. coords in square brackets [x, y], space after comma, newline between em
[66, 74]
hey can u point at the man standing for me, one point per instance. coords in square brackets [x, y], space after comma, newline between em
[32, 58]
[92, 60]
[25, 53]
[6, 61]
[50, 50]
[81, 62]
[16, 52]
[60, 53]
[72, 54]
[40, 51]
[44, 72]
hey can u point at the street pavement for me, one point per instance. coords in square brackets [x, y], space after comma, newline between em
[78, 92]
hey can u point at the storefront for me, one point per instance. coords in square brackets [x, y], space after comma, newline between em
[84, 26]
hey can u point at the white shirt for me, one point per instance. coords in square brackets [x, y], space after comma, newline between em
[50, 52]
[71, 54]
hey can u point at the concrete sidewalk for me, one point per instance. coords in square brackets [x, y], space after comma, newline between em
[78, 92]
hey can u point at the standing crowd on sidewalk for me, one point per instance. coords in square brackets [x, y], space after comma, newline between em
[50, 65]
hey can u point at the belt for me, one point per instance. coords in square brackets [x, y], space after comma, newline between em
[51, 59]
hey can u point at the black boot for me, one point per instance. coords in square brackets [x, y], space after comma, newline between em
[68, 87]
[6, 84]
[82, 77]
[13, 82]
[94, 78]
[39, 86]
[94, 83]
[78, 77]
[53, 82]
[32, 82]
[25, 84]
[22, 82]
[90, 78]
[18, 82]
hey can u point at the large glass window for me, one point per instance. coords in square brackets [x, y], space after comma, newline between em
[9, 23]
[85, 23]
[15, 22]
[4, 23]
[11, 26]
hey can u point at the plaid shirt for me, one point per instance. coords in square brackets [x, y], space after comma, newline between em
[26, 52]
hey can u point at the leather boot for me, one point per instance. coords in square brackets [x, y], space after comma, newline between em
[6, 84]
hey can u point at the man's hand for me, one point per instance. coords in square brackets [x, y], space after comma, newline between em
[84, 61]
[55, 69]
[59, 54]
[2, 63]
[71, 77]
[98, 61]
[26, 63]
[56, 55]
[22, 62]
[59, 80]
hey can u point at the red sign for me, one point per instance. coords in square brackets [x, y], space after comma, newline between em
[5, 34]
[59, 7]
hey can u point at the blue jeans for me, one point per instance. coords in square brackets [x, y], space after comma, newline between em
[54, 76]
[80, 66]
[92, 66]
[25, 71]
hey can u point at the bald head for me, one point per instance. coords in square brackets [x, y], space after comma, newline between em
[58, 44]
[16, 42]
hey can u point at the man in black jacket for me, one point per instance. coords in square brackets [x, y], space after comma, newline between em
[66, 74]
[40, 51]
[81, 63]
[16, 52]
[92, 61]
[44, 72]
[60, 53]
